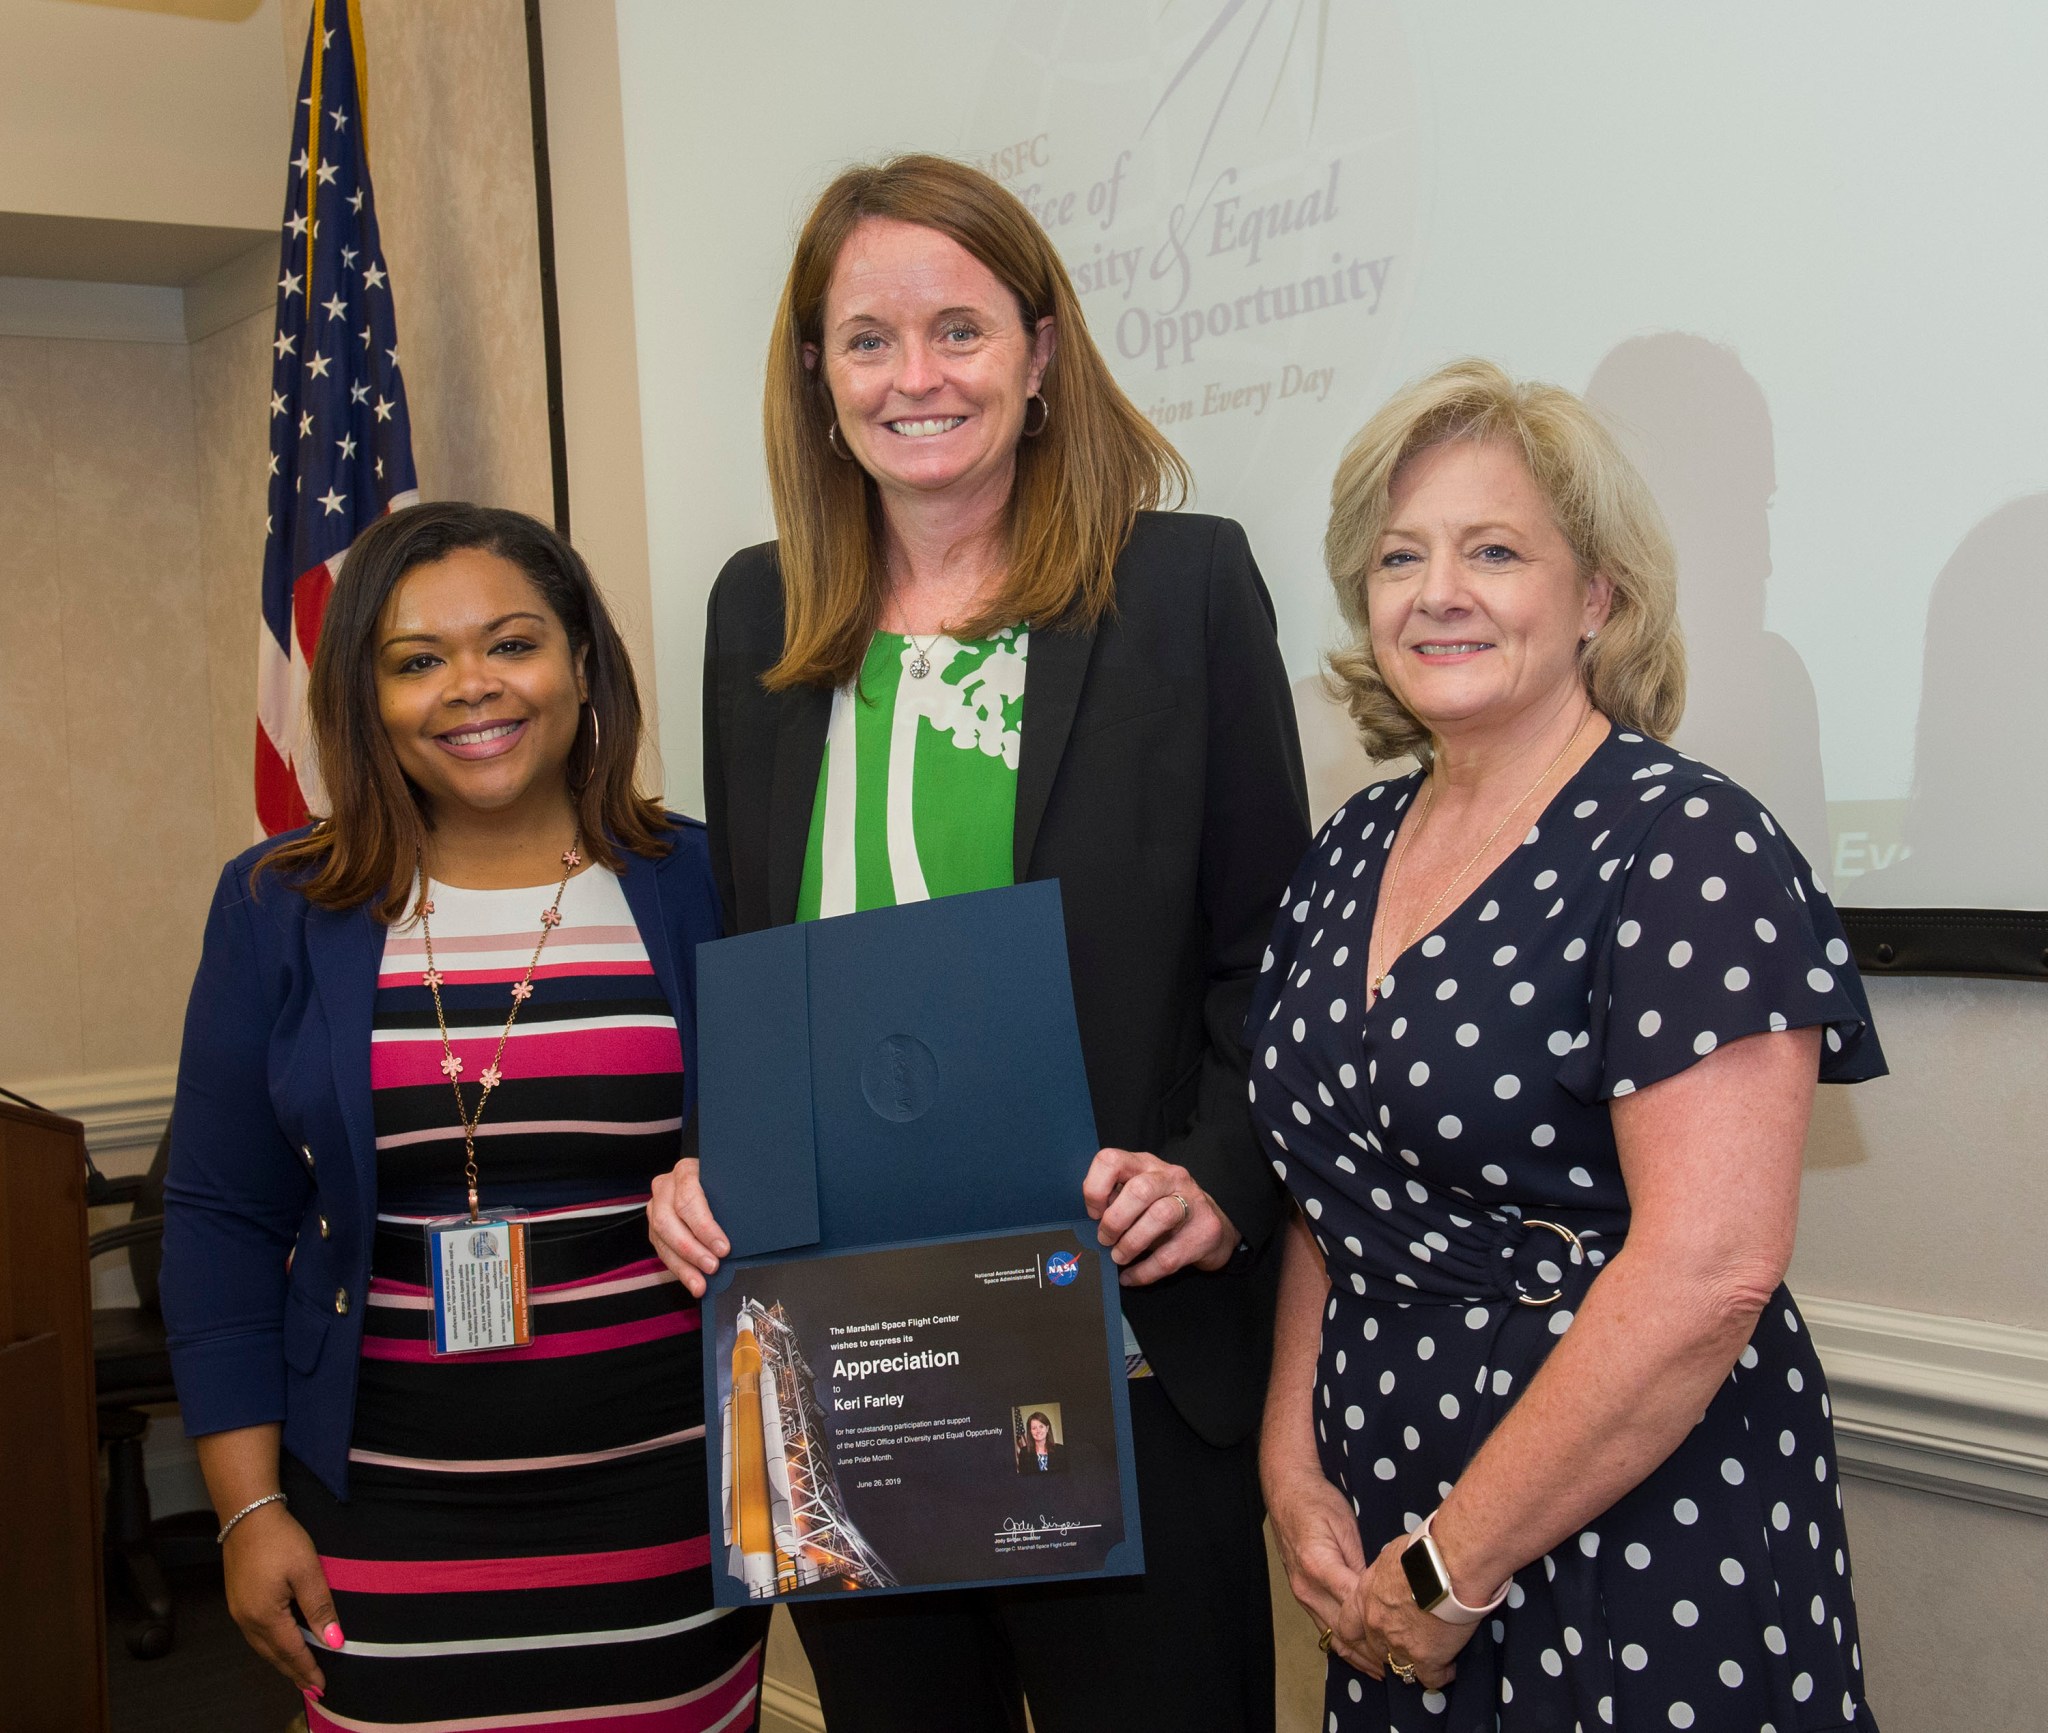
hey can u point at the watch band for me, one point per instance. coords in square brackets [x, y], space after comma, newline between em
[1444, 1603]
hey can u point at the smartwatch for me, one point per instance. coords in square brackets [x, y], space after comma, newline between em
[1429, 1581]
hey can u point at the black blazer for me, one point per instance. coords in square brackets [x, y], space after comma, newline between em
[1055, 1454]
[1160, 782]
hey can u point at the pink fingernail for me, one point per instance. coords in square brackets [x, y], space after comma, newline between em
[331, 1636]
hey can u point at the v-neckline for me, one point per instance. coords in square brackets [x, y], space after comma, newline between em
[1373, 1000]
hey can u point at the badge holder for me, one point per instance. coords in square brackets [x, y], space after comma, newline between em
[476, 1263]
[476, 1271]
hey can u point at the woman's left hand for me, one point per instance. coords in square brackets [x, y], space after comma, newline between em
[1381, 1618]
[1154, 1218]
[679, 1222]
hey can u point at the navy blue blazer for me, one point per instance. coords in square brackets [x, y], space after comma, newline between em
[271, 1199]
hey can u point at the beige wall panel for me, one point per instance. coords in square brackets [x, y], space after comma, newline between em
[600, 354]
[1949, 1598]
[1925, 1189]
[137, 708]
[786, 1662]
[230, 384]
[451, 154]
[39, 1020]
[1297, 1663]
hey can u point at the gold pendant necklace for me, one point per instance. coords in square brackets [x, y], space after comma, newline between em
[1422, 809]
[522, 990]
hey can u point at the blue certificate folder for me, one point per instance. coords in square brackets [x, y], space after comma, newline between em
[905, 1073]
[940, 1414]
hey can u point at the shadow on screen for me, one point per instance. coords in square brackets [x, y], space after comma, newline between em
[1698, 427]
[1976, 821]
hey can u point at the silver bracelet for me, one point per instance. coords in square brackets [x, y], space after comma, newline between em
[227, 1528]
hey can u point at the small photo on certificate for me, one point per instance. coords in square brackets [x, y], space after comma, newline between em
[1040, 1447]
[920, 1416]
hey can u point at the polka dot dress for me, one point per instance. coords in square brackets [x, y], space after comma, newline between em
[1653, 912]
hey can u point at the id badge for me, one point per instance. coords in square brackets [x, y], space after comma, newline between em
[477, 1272]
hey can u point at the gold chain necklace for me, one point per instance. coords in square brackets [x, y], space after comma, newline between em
[1422, 810]
[451, 1064]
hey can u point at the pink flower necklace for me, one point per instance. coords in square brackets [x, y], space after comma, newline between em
[522, 990]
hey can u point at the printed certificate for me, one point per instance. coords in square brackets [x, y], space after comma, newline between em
[941, 1414]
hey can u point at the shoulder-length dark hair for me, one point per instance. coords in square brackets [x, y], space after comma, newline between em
[1080, 483]
[377, 820]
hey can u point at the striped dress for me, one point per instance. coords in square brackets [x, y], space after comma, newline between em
[526, 1542]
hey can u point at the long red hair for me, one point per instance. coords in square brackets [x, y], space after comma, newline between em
[1080, 484]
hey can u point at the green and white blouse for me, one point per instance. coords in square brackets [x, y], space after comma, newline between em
[917, 797]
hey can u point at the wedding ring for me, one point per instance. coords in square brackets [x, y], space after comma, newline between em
[1402, 1670]
[1186, 1214]
[1323, 1642]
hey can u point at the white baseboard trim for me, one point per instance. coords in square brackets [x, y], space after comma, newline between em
[1943, 1404]
[786, 1709]
[122, 1111]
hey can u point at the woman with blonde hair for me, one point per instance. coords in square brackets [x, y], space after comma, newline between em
[977, 654]
[1546, 1445]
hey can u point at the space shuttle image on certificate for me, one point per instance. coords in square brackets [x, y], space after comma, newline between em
[785, 1527]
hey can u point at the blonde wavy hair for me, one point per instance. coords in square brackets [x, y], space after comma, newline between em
[1634, 669]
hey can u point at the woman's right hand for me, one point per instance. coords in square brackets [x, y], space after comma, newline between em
[679, 1222]
[271, 1563]
[1318, 1540]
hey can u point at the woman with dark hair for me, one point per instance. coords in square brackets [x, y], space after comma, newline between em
[978, 654]
[439, 1044]
[1039, 1452]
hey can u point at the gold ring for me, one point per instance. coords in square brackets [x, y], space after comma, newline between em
[1186, 1214]
[1323, 1642]
[1402, 1670]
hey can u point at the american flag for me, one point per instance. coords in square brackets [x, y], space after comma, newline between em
[340, 439]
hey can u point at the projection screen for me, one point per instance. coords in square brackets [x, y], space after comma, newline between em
[1794, 253]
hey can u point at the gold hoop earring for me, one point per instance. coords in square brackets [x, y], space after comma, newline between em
[1044, 418]
[832, 439]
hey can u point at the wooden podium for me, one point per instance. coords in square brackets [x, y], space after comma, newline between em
[53, 1663]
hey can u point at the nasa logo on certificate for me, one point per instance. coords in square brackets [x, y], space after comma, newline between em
[476, 1271]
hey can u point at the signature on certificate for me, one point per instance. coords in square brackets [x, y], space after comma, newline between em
[1023, 1528]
